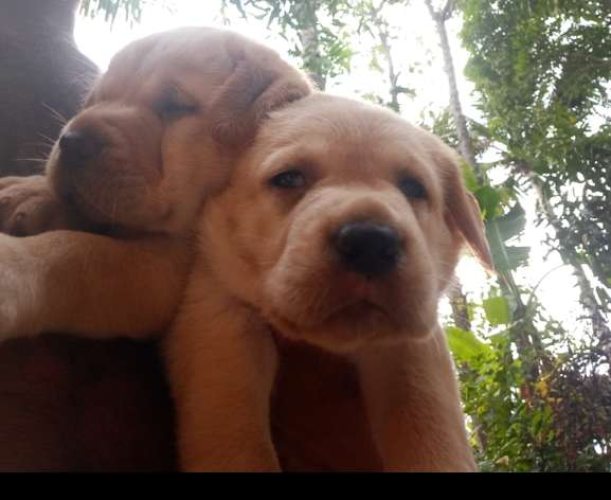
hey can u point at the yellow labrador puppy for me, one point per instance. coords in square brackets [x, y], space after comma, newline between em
[159, 133]
[335, 239]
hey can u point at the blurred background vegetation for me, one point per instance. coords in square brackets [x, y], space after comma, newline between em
[537, 392]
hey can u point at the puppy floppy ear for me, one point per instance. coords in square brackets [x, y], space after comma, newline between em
[260, 83]
[463, 214]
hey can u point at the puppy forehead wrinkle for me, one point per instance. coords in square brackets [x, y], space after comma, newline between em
[350, 146]
[184, 50]
[323, 140]
[285, 151]
[360, 124]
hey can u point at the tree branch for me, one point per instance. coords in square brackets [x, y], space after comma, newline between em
[448, 10]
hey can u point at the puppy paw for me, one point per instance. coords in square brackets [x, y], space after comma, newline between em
[8, 320]
[29, 207]
[17, 291]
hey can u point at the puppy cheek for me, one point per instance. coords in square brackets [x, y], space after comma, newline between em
[414, 295]
[284, 289]
[53, 174]
[301, 268]
[446, 252]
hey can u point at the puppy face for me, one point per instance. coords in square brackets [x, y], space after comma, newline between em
[160, 129]
[344, 224]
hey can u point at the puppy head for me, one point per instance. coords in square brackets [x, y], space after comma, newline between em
[343, 225]
[160, 130]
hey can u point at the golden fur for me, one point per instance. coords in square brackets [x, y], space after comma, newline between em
[267, 292]
[170, 117]
[96, 405]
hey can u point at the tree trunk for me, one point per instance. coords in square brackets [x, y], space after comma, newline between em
[525, 335]
[381, 32]
[310, 40]
[465, 145]
[600, 328]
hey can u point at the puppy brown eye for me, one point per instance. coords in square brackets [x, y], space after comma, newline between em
[290, 179]
[412, 189]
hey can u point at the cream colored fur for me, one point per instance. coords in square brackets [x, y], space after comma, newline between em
[267, 284]
[174, 112]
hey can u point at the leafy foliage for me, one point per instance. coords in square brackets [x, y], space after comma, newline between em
[543, 72]
[111, 8]
[313, 27]
[559, 423]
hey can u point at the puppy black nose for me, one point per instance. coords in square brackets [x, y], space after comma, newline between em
[78, 147]
[368, 248]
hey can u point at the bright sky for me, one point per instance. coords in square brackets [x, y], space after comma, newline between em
[416, 42]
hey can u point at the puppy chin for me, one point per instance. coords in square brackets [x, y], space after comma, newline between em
[352, 328]
[110, 198]
[343, 318]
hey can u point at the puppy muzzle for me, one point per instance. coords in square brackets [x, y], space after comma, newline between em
[368, 248]
[79, 147]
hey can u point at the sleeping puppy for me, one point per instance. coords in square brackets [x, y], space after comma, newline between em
[160, 131]
[158, 134]
[321, 266]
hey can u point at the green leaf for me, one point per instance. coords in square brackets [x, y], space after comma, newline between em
[469, 176]
[489, 200]
[517, 256]
[602, 295]
[506, 258]
[497, 310]
[512, 223]
[498, 338]
[465, 345]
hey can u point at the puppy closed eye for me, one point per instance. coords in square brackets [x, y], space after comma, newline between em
[289, 179]
[412, 189]
[174, 104]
